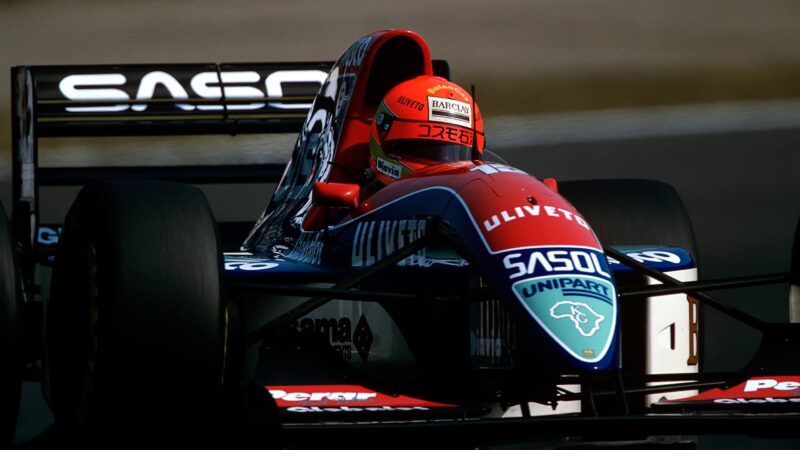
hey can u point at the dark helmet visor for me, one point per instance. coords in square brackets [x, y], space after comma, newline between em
[428, 150]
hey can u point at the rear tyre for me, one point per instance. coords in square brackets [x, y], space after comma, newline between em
[10, 337]
[632, 212]
[136, 326]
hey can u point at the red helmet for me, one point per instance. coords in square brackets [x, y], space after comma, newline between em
[421, 122]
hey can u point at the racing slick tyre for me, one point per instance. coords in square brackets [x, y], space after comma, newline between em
[10, 337]
[632, 212]
[136, 324]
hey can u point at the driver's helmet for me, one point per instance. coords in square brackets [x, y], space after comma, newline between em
[422, 122]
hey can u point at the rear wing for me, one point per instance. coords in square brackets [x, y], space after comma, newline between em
[150, 100]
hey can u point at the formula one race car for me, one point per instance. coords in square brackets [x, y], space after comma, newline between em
[469, 301]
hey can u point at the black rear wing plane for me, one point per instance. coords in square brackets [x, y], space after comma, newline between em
[150, 100]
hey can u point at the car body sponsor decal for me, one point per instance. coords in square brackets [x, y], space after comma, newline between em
[374, 240]
[371, 409]
[389, 169]
[493, 335]
[307, 249]
[345, 398]
[761, 390]
[410, 103]
[48, 235]
[577, 311]
[450, 111]
[659, 258]
[546, 260]
[344, 338]
[445, 133]
[585, 319]
[211, 85]
[490, 169]
[570, 293]
[249, 265]
[247, 262]
[455, 90]
[525, 211]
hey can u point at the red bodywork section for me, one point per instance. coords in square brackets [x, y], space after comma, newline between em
[339, 395]
[510, 208]
[371, 85]
[381, 61]
[756, 391]
[336, 195]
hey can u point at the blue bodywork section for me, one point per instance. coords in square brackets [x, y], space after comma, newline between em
[663, 259]
[241, 267]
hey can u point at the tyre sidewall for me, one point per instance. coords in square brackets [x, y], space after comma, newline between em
[136, 322]
[10, 333]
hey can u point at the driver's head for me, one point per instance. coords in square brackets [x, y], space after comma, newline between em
[422, 122]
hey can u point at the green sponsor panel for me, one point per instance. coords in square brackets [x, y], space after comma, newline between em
[578, 311]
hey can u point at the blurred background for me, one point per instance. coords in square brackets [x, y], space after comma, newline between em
[702, 94]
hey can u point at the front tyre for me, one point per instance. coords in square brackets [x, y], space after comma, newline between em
[136, 326]
[633, 212]
[10, 337]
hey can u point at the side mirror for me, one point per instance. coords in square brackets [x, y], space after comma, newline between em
[336, 195]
